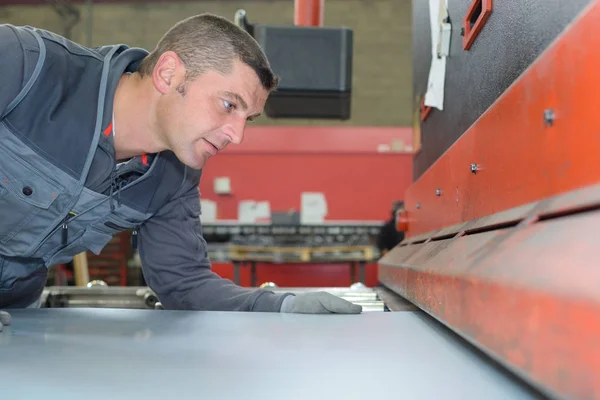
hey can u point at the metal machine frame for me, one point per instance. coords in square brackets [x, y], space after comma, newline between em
[502, 229]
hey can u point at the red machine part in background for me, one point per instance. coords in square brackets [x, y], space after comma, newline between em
[502, 231]
[309, 12]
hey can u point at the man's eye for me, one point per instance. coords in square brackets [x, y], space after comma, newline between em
[228, 105]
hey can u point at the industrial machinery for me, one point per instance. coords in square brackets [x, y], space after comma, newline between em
[493, 293]
[502, 219]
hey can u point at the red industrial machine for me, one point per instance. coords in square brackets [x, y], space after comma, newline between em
[502, 222]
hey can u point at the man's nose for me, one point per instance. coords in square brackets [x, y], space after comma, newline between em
[235, 131]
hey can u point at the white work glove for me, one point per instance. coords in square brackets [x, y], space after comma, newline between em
[318, 303]
[4, 319]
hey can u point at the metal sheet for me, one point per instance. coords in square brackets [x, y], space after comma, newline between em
[107, 353]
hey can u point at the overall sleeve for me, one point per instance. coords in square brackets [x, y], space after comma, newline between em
[11, 66]
[176, 266]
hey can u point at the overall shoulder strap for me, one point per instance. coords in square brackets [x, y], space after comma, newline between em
[26, 38]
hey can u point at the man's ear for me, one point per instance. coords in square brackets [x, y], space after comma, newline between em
[167, 71]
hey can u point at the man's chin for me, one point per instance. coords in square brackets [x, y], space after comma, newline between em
[194, 162]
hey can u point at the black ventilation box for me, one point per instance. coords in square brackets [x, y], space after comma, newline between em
[315, 67]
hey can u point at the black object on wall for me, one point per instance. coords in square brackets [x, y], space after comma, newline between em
[315, 67]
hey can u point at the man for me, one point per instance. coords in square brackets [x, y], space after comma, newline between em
[97, 141]
[388, 236]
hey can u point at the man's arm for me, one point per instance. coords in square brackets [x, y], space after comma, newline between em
[176, 267]
[11, 66]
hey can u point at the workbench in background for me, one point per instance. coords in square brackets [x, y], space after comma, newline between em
[284, 252]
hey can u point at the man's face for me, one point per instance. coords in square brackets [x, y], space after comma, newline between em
[201, 117]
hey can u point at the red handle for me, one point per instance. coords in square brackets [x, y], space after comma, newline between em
[477, 14]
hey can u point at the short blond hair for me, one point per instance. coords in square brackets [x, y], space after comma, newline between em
[208, 42]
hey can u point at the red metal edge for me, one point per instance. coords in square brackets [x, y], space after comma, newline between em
[470, 33]
[425, 110]
[526, 294]
[276, 139]
[520, 155]
[567, 203]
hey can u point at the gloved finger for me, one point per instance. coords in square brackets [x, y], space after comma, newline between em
[4, 318]
[338, 305]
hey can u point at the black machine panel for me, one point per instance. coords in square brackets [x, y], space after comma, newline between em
[315, 67]
[515, 34]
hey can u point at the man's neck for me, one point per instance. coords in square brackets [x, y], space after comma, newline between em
[134, 129]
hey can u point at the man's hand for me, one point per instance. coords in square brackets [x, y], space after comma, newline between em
[4, 319]
[318, 303]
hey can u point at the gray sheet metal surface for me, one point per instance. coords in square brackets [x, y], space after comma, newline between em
[151, 354]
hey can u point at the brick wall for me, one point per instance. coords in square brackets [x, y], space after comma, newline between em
[382, 77]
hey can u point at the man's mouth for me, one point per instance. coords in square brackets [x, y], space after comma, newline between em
[212, 149]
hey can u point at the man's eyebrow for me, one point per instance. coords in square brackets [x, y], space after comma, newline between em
[253, 117]
[238, 98]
